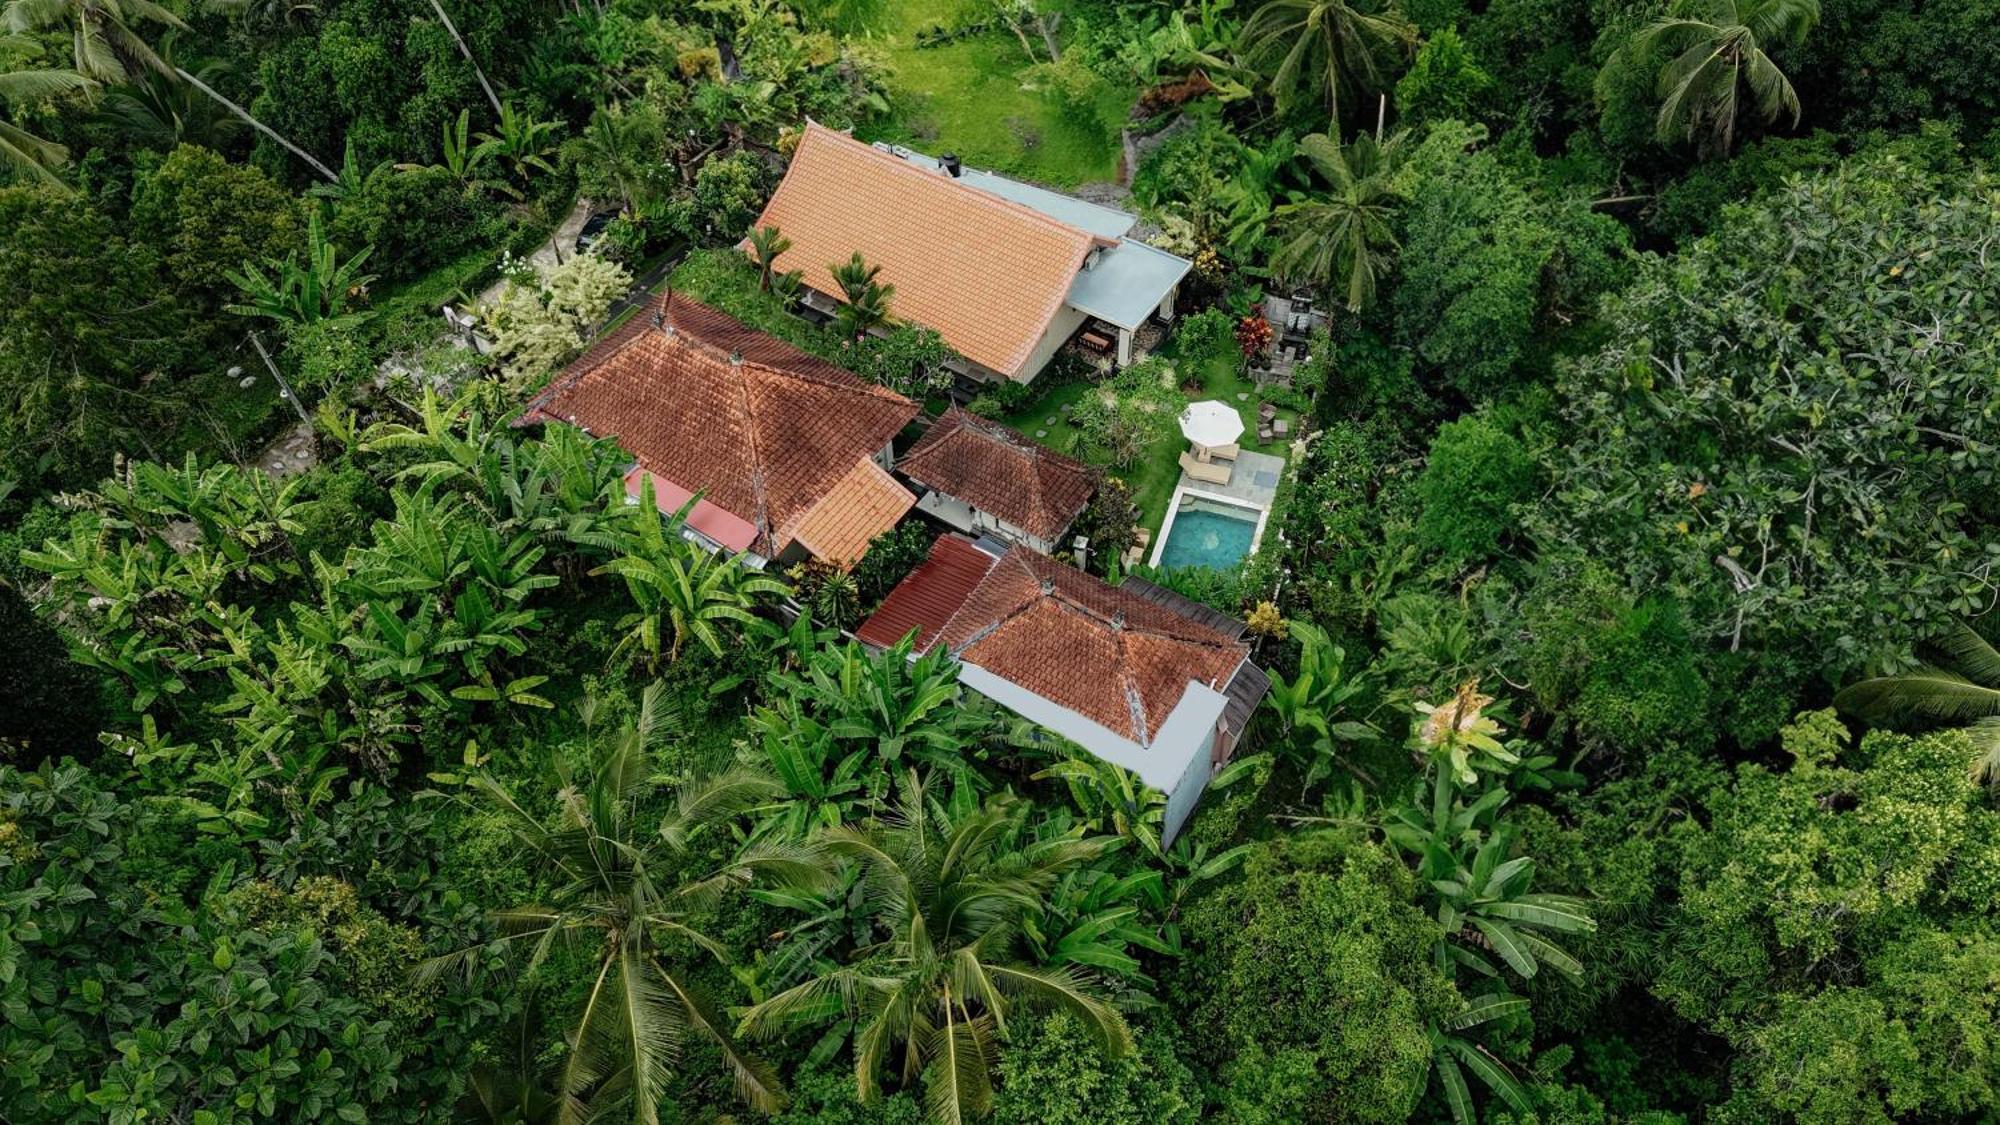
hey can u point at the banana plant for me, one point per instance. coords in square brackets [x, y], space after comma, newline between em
[397, 653]
[1311, 703]
[1452, 1054]
[517, 692]
[897, 706]
[522, 145]
[826, 783]
[680, 592]
[1112, 800]
[310, 290]
[1485, 901]
[1094, 920]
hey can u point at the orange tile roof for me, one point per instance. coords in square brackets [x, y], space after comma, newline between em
[1001, 472]
[987, 273]
[865, 503]
[1110, 655]
[762, 430]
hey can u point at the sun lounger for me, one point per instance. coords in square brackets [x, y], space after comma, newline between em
[1211, 473]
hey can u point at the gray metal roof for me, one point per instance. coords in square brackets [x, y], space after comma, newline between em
[1129, 280]
[1104, 222]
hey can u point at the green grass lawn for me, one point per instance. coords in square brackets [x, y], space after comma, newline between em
[975, 97]
[1154, 473]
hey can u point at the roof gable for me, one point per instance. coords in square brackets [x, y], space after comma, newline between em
[987, 273]
[762, 430]
[1000, 471]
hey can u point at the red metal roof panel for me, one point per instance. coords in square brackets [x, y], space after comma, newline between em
[926, 599]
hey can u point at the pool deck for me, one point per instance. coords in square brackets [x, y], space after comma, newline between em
[1253, 483]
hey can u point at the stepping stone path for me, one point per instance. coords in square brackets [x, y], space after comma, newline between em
[1041, 433]
[1242, 396]
[291, 453]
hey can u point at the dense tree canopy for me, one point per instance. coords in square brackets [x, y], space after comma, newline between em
[1625, 592]
[1792, 430]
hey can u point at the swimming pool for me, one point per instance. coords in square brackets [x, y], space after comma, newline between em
[1208, 533]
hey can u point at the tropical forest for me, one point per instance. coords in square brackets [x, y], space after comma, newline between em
[1573, 424]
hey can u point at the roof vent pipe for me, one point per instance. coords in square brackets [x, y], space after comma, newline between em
[951, 164]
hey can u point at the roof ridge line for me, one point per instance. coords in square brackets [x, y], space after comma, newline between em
[907, 168]
[738, 359]
[753, 417]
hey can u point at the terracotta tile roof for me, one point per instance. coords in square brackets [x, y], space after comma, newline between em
[1114, 657]
[865, 503]
[762, 430]
[926, 598]
[1001, 472]
[987, 273]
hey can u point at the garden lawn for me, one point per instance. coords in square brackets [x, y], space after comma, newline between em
[1153, 475]
[975, 97]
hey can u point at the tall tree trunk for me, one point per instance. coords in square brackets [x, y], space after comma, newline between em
[467, 52]
[239, 111]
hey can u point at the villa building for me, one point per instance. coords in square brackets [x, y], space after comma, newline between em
[785, 455]
[1006, 272]
[986, 479]
[1134, 674]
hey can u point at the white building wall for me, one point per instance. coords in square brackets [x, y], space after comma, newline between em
[1065, 324]
[1187, 791]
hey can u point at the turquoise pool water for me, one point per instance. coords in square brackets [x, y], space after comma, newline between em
[1209, 534]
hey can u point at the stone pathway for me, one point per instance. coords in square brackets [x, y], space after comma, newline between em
[560, 247]
[295, 451]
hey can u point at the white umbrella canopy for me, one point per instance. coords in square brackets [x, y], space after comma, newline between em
[1211, 423]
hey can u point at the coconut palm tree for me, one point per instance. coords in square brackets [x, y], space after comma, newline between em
[1721, 57]
[767, 243]
[867, 299]
[162, 110]
[20, 150]
[950, 890]
[1325, 47]
[1343, 238]
[615, 892]
[1960, 686]
[105, 47]
[621, 147]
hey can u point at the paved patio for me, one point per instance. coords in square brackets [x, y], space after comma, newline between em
[1253, 479]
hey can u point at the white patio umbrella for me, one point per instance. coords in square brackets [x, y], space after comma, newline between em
[1210, 423]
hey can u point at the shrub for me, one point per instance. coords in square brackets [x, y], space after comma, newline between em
[48, 705]
[1444, 82]
[729, 194]
[1315, 963]
[416, 218]
[1052, 1073]
[1205, 336]
[1476, 474]
[537, 327]
[207, 216]
[1625, 669]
